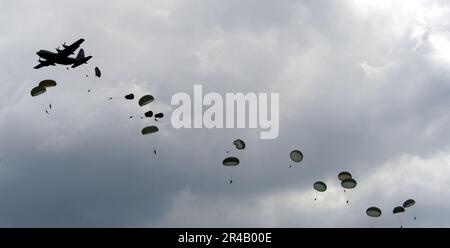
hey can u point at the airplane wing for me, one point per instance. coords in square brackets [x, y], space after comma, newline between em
[43, 63]
[68, 50]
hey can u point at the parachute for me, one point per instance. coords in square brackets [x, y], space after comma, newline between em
[348, 183]
[41, 89]
[409, 203]
[373, 212]
[129, 96]
[398, 210]
[344, 175]
[240, 144]
[146, 100]
[231, 161]
[47, 83]
[149, 130]
[320, 186]
[148, 114]
[98, 73]
[296, 156]
[38, 90]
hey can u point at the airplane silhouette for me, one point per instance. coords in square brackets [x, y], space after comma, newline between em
[62, 56]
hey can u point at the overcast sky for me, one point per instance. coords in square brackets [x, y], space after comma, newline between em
[364, 87]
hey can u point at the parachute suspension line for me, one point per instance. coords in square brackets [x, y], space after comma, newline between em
[87, 75]
[345, 197]
[49, 101]
[86, 69]
[136, 115]
[319, 187]
[45, 109]
[98, 74]
[44, 106]
[231, 165]
[400, 222]
[233, 172]
[92, 85]
[115, 97]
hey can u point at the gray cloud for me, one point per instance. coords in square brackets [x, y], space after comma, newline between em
[363, 88]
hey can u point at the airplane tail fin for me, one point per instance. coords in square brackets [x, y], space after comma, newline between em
[80, 55]
[81, 61]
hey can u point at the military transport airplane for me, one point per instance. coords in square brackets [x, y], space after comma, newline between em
[62, 56]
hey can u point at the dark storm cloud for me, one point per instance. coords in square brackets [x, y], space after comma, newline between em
[361, 90]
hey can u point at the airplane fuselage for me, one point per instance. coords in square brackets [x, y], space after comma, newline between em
[51, 56]
[62, 56]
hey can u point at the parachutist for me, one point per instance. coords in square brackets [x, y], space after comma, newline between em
[154, 151]
[231, 181]
[46, 112]
[50, 106]
[315, 199]
[346, 201]
[415, 218]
